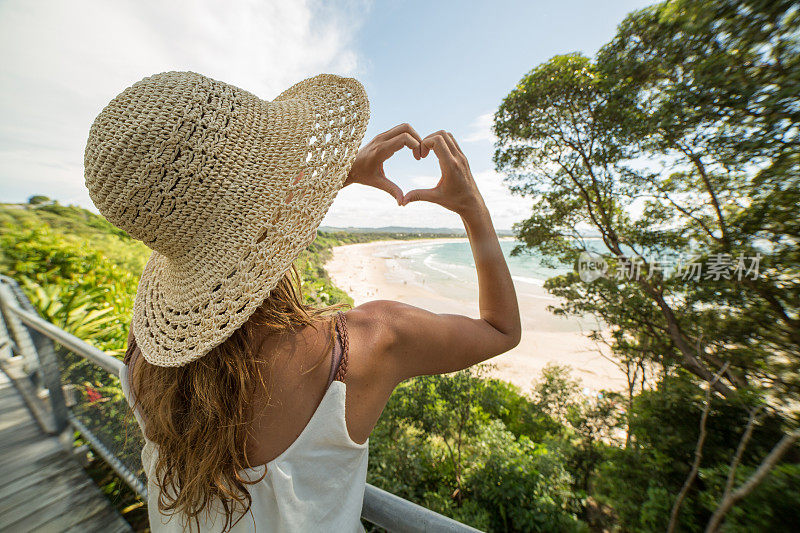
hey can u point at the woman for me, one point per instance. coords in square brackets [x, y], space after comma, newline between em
[257, 408]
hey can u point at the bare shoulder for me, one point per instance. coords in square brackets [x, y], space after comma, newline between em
[371, 372]
[382, 324]
[371, 326]
[382, 332]
[375, 331]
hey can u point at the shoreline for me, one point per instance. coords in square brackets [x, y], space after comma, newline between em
[370, 271]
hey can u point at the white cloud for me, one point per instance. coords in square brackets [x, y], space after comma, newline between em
[481, 129]
[64, 61]
[418, 182]
[506, 208]
[360, 206]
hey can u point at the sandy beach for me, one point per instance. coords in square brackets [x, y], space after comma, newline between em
[370, 271]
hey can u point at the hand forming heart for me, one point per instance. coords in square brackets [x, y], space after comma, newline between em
[367, 168]
[456, 189]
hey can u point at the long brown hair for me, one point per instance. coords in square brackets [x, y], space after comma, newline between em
[199, 414]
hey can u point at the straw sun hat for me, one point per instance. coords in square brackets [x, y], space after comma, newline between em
[226, 188]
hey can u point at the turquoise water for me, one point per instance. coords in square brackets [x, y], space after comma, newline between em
[451, 263]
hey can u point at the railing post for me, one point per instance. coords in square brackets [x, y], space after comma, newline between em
[51, 380]
[19, 333]
[39, 352]
[6, 342]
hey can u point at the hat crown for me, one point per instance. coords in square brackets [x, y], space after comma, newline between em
[150, 157]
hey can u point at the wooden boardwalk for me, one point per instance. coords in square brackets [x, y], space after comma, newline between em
[42, 487]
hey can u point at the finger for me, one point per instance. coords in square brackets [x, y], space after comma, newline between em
[451, 143]
[426, 195]
[426, 148]
[418, 138]
[456, 149]
[397, 130]
[385, 184]
[404, 139]
[437, 143]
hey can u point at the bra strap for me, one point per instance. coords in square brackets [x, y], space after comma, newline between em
[341, 326]
[131, 353]
[131, 349]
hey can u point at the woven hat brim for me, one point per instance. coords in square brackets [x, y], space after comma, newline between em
[284, 171]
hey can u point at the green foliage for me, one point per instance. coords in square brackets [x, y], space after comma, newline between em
[442, 413]
[38, 199]
[773, 505]
[76, 287]
[584, 427]
[680, 136]
[640, 481]
[527, 486]
[78, 228]
[442, 441]
[504, 401]
[76, 312]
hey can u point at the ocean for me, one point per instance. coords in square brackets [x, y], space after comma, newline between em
[449, 265]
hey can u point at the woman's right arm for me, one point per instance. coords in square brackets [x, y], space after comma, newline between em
[416, 341]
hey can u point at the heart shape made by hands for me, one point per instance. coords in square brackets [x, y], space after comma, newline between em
[368, 168]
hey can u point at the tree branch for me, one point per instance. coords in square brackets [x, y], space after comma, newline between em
[701, 169]
[698, 455]
[737, 458]
[758, 476]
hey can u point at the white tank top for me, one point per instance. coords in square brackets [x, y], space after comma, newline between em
[316, 484]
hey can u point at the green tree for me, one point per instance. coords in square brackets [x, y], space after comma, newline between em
[448, 408]
[680, 137]
[640, 481]
[442, 442]
[525, 484]
[586, 426]
[38, 199]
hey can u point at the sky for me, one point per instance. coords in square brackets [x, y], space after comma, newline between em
[436, 65]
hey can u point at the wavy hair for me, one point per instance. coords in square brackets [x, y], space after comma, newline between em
[199, 414]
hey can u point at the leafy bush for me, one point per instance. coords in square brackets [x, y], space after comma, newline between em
[640, 482]
[443, 441]
[525, 485]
